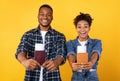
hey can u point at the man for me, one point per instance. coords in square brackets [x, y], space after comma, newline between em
[54, 47]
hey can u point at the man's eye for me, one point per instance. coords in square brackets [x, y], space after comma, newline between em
[41, 14]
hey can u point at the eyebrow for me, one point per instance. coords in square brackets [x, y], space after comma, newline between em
[84, 24]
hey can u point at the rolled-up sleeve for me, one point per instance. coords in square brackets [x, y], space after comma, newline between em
[23, 45]
[70, 48]
[61, 47]
[97, 47]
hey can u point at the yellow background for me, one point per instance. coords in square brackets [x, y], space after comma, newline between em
[18, 16]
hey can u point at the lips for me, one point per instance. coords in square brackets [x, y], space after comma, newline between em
[44, 21]
[82, 33]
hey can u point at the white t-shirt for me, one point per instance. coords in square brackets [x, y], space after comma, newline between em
[83, 43]
[43, 33]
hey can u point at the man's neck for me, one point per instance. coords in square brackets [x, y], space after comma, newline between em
[44, 28]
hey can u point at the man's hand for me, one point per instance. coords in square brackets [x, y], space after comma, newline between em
[30, 64]
[51, 65]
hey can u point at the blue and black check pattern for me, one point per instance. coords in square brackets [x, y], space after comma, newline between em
[54, 46]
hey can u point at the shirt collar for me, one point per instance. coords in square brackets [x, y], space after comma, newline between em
[89, 40]
[50, 30]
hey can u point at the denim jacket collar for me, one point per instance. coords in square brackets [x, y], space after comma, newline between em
[89, 41]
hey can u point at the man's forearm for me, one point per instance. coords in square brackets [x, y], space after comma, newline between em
[21, 57]
[59, 60]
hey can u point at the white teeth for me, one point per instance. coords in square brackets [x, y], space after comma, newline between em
[82, 32]
[44, 20]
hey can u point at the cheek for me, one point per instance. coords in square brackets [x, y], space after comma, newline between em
[78, 30]
[51, 18]
[88, 30]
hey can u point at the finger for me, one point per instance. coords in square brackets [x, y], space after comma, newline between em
[45, 63]
[34, 64]
[51, 68]
[37, 63]
[49, 64]
[87, 67]
[31, 67]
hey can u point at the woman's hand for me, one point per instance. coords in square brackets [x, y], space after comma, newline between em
[76, 66]
[88, 66]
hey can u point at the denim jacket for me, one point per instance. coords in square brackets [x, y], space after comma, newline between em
[93, 45]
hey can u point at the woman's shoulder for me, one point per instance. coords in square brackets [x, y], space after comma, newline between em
[72, 41]
[94, 40]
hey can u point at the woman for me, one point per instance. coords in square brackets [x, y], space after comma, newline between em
[84, 71]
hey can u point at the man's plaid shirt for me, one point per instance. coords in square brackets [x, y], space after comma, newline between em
[54, 46]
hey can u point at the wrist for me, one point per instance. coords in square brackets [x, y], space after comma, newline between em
[23, 61]
[58, 61]
[91, 63]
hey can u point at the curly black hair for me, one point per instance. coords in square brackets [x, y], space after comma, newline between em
[46, 5]
[83, 16]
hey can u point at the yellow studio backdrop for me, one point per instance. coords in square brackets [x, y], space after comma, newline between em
[18, 16]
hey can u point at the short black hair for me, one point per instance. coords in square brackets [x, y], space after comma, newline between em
[83, 16]
[46, 5]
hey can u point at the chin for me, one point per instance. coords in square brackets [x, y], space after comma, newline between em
[83, 37]
[44, 25]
